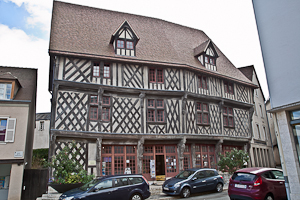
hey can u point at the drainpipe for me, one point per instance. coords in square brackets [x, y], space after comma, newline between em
[287, 187]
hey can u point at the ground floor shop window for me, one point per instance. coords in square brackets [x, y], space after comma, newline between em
[205, 156]
[118, 159]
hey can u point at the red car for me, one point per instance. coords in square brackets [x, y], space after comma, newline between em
[257, 183]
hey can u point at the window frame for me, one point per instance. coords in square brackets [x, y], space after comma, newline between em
[202, 79]
[93, 106]
[201, 113]
[106, 107]
[5, 83]
[9, 129]
[228, 116]
[156, 77]
[96, 72]
[106, 71]
[227, 85]
[154, 109]
[119, 42]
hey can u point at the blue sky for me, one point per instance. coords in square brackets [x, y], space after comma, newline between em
[25, 31]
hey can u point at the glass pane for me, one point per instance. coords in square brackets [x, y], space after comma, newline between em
[295, 115]
[296, 130]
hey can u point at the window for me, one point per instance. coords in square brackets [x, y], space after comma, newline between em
[106, 70]
[202, 83]
[5, 90]
[129, 45]
[155, 110]
[105, 116]
[96, 70]
[156, 75]
[228, 117]
[7, 129]
[120, 44]
[104, 185]
[228, 87]
[42, 126]
[202, 113]
[94, 107]
[261, 111]
[265, 133]
[210, 60]
[258, 132]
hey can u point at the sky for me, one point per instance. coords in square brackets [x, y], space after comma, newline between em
[25, 31]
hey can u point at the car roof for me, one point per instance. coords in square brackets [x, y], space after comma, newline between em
[256, 170]
[119, 176]
[196, 169]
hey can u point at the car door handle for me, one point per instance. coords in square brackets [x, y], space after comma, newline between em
[204, 181]
[215, 178]
[280, 183]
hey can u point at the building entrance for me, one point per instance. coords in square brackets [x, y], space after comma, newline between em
[160, 165]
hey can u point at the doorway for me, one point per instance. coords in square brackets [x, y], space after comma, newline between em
[160, 165]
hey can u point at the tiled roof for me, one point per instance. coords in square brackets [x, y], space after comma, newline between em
[85, 31]
[42, 116]
[247, 71]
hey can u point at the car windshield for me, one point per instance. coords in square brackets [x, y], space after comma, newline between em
[184, 174]
[243, 177]
[89, 185]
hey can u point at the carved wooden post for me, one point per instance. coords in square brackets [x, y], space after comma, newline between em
[218, 150]
[51, 151]
[142, 97]
[193, 155]
[184, 112]
[180, 149]
[140, 150]
[98, 156]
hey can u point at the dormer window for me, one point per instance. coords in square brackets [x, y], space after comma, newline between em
[207, 55]
[5, 90]
[124, 40]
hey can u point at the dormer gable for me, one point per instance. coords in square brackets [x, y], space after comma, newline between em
[124, 40]
[207, 55]
[9, 86]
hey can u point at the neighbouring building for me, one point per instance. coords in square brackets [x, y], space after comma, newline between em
[261, 152]
[279, 38]
[133, 90]
[17, 121]
[273, 135]
[41, 131]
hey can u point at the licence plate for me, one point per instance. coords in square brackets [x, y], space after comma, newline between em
[165, 188]
[240, 186]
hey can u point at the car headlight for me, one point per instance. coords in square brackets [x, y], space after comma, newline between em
[177, 185]
[68, 198]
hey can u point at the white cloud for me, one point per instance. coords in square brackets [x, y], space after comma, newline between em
[39, 10]
[20, 50]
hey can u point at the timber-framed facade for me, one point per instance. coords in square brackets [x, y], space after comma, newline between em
[126, 99]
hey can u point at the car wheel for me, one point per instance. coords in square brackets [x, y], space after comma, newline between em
[136, 197]
[219, 187]
[269, 197]
[185, 192]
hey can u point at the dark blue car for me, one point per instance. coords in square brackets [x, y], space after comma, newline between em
[127, 187]
[193, 181]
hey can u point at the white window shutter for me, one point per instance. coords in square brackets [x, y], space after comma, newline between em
[10, 130]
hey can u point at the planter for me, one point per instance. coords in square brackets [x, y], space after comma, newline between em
[61, 188]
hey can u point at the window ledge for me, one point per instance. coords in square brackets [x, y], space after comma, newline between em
[2, 143]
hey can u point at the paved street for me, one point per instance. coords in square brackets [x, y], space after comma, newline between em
[199, 196]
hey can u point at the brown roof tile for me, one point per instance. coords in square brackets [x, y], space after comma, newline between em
[87, 31]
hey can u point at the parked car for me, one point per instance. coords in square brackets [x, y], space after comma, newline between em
[193, 181]
[257, 183]
[120, 187]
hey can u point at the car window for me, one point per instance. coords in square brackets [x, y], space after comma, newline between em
[210, 173]
[104, 184]
[200, 175]
[135, 180]
[121, 182]
[268, 175]
[243, 176]
[184, 174]
[278, 174]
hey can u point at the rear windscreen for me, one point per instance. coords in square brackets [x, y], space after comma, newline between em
[243, 177]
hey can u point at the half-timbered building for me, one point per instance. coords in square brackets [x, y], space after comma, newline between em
[134, 90]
